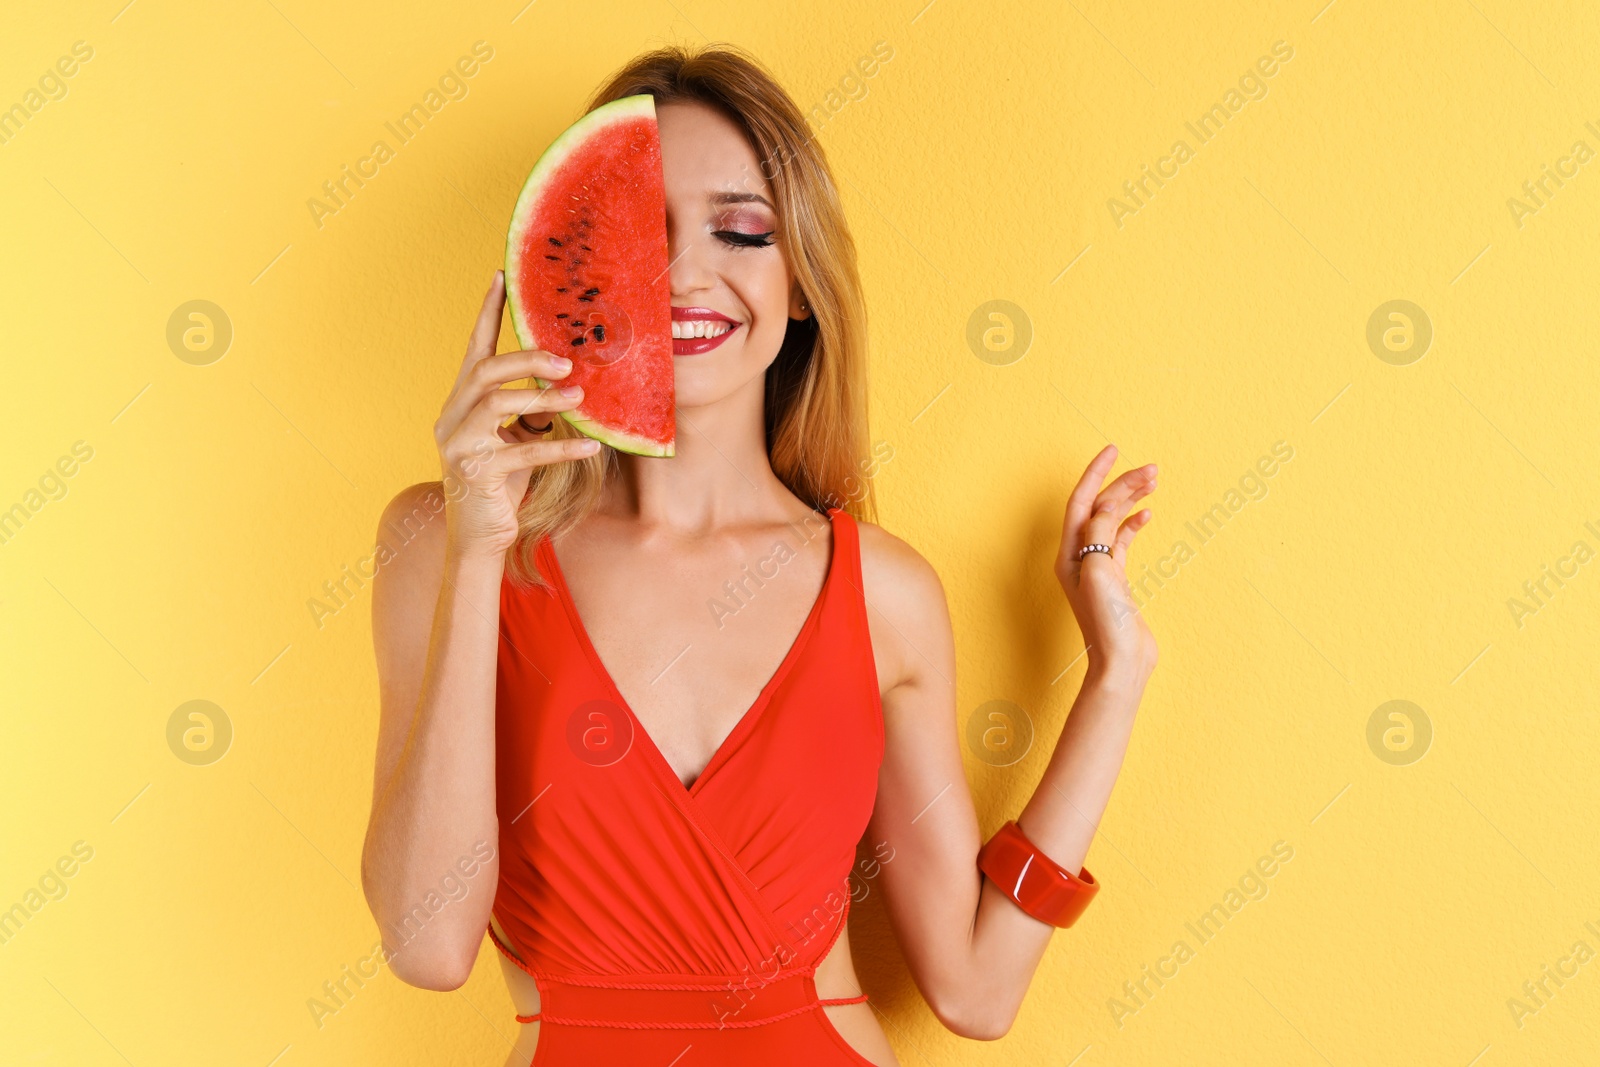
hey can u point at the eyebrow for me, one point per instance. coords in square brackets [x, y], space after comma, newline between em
[740, 198]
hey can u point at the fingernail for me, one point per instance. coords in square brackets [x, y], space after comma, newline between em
[561, 362]
[499, 276]
[589, 446]
[571, 390]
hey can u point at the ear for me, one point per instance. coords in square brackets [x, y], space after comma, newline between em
[799, 307]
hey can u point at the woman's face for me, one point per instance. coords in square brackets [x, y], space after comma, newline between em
[732, 292]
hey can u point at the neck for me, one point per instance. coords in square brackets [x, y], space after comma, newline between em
[719, 475]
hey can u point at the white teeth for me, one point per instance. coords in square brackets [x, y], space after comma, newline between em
[682, 330]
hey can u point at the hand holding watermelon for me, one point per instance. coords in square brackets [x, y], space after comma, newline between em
[486, 466]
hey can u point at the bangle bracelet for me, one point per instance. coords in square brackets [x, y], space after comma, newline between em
[1034, 882]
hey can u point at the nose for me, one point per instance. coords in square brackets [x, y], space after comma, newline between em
[687, 271]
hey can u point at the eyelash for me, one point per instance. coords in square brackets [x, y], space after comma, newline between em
[744, 240]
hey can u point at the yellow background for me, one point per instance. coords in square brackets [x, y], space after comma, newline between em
[1227, 314]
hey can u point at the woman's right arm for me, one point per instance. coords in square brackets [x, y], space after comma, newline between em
[435, 627]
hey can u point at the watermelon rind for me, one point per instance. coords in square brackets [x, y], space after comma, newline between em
[625, 442]
[625, 108]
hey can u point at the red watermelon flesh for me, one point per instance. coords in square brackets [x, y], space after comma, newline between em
[586, 273]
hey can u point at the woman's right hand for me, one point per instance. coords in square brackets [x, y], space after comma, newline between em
[486, 466]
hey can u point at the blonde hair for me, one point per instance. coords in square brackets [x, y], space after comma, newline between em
[816, 388]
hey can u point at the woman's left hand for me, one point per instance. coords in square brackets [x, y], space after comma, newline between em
[1114, 630]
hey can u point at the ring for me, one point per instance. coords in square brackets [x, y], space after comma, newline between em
[1086, 549]
[522, 421]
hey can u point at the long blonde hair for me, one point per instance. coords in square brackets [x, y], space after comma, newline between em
[816, 388]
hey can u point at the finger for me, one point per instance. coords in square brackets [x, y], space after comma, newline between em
[513, 432]
[485, 334]
[504, 405]
[1128, 488]
[486, 331]
[542, 453]
[1112, 505]
[1081, 501]
[1128, 532]
[491, 372]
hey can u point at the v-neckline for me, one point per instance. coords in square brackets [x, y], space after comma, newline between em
[751, 715]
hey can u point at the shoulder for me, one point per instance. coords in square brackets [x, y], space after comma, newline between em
[416, 504]
[904, 592]
[893, 571]
[411, 536]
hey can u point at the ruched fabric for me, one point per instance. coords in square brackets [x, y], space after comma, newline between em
[660, 920]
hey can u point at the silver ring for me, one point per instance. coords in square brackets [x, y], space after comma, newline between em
[1086, 549]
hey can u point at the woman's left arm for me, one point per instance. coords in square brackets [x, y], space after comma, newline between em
[970, 949]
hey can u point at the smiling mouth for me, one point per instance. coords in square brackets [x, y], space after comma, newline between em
[697, 330]
[683, 331]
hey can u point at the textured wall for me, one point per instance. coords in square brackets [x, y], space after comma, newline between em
[1409, 495]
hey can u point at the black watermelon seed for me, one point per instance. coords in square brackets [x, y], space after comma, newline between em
[591, 292]
[577, 340]
[586, 248]
[599, 332]
[587, 299]
[561, 314]
[553, 241]
[556, 258]
[560, 289]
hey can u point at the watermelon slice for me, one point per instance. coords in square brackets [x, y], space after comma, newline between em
[586, 273]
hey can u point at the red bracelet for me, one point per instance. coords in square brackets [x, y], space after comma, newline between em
[1036, 883]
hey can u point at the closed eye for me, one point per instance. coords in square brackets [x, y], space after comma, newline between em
[744, 240]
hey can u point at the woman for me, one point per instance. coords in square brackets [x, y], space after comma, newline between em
[655, 704]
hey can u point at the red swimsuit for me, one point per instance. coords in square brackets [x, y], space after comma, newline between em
[672, 925]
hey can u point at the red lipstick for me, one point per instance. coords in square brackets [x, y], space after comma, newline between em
[714, 320]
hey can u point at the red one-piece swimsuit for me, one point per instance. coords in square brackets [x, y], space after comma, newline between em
[680, 925]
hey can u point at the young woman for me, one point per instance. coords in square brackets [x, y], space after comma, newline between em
[638, 714]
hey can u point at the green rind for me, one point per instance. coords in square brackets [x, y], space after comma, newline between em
[623, 442]
[627, 107]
